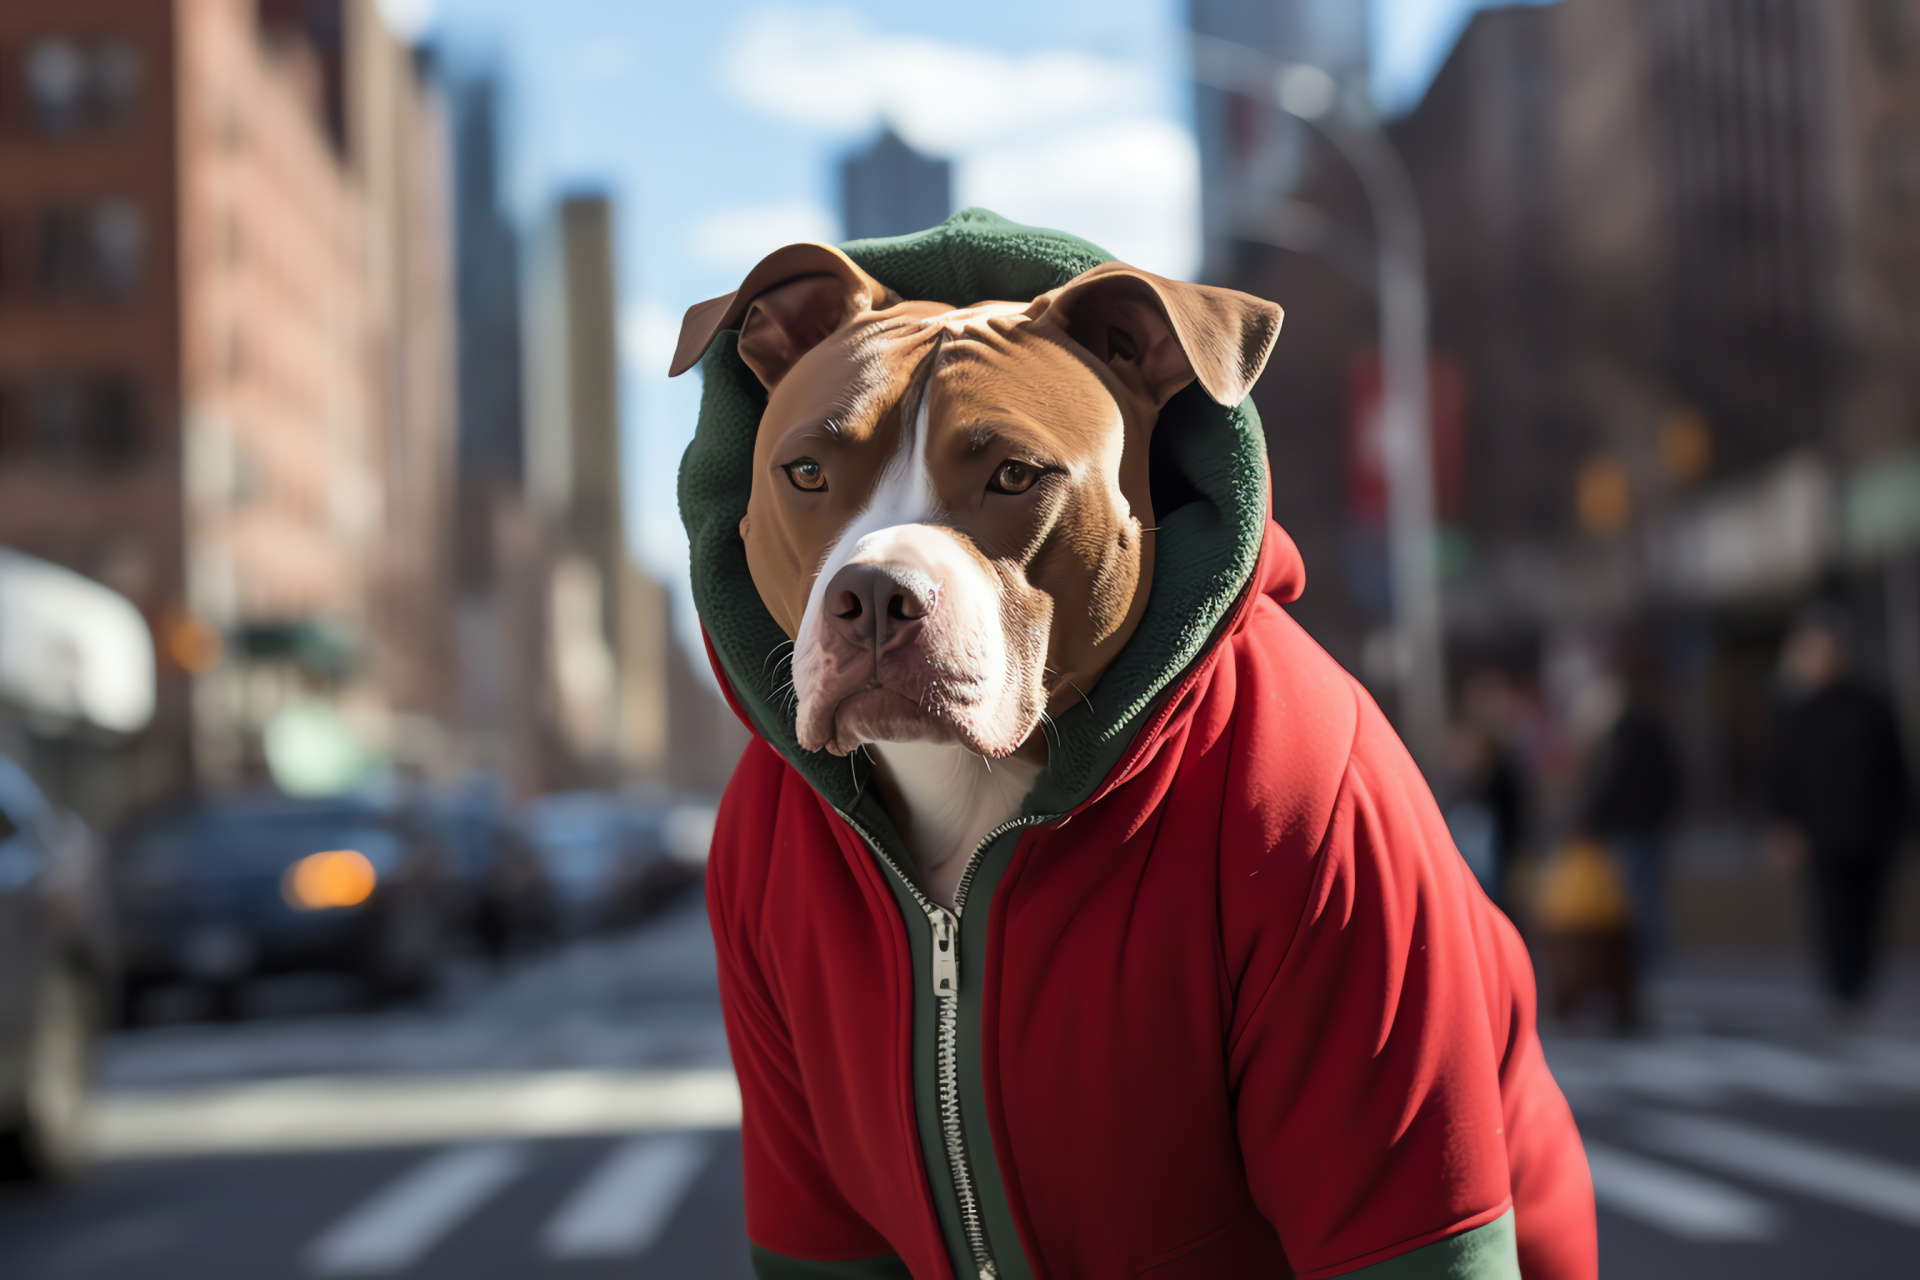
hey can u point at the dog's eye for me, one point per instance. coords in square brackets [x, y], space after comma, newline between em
[807, 474]
[1014, 477]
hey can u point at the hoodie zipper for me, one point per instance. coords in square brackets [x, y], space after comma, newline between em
[945, 976]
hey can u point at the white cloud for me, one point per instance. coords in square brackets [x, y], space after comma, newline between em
[731, 240]
[1132, 187]
[829, 70]
[649, 330]
[408, 18]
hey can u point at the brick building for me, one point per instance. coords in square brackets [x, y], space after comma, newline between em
[225, 355]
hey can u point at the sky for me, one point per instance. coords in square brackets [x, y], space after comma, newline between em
[717, 129]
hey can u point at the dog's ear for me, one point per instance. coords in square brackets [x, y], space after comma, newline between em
[1157, 335]
[786, 305]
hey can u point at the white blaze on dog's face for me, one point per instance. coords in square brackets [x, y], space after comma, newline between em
[950, 511]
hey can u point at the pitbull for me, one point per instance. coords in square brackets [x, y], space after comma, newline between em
[950, 512]
[1184, 983]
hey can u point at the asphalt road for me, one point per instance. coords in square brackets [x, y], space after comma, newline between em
[574, 1117]
[1717, 1155]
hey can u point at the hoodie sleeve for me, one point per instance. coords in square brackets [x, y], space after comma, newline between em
[1382, 1042]
[799, 1225]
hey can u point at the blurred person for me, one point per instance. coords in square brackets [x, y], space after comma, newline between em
[1584, 912]
[1484, 805]
[1839, 797]
[1632, 797]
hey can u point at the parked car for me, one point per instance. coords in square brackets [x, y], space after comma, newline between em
[500, 893]
[608, 857]
[219, 892]
[56, 962]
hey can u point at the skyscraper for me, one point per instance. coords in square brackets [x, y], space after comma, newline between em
[890, 189]
[487, 253]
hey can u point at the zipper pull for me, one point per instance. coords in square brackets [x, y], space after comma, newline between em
[946, 953]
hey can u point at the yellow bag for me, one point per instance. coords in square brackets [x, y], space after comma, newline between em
[1581, 890]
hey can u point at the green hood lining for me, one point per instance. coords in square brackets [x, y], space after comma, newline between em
[1208, 464]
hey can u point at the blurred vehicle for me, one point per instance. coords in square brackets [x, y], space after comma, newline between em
[611, 860]
[217, 893]
[500, 893]
[56, 958]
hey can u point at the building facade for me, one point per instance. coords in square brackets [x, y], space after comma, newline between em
[1670, 254]
[225, 356]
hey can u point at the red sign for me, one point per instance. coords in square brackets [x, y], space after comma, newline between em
[1366, 442]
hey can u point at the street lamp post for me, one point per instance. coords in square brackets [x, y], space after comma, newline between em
[1310, 94]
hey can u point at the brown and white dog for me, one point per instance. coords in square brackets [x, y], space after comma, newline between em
[950, 513]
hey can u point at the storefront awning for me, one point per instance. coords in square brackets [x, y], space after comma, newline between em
[72, 650]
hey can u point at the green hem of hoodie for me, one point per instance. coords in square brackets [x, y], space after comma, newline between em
[768, 1265]
[1484, 1253]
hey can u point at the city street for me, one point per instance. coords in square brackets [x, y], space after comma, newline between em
[1750, 1146]
[574, 1117]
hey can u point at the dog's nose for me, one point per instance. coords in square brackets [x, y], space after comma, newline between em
[876, 605]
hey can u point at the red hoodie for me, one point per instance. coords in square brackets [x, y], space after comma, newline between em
[1242, 1012]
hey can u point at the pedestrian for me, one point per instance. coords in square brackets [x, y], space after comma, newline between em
[1633, 794]
[1839, 798]
[1584, 915]
[1484, 805]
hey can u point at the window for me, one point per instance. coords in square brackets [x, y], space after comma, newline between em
[88, 423]
[74, 86]
[94, 252]
[116, 81]
[116, 235]
[1899, 164]
[1888, 31]
[56, 84]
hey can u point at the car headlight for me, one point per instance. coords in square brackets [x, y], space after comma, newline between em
[329, 879]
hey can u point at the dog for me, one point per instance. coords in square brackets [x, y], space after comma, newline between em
[1076, 915]
[950, 512]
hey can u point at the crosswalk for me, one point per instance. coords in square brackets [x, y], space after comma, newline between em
[1679, 1154]
[1710, 1070]
[390, 1232]
[617, 1211]
[1680, 1203]
[625, 1203]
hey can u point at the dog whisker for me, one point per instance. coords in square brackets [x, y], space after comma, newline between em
[775, 657]
[1083, 694]
[1050, 730]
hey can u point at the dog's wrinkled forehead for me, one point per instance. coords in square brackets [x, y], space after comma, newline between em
[846, 385]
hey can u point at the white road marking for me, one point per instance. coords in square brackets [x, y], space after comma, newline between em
[1708, 1070]
[1673, 1071]
[1864, 1183]
[1677, 1202]
[1786, 1074]
[394, 1229]
[1895, 1063]
[318, 1113]
[629, 1198]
